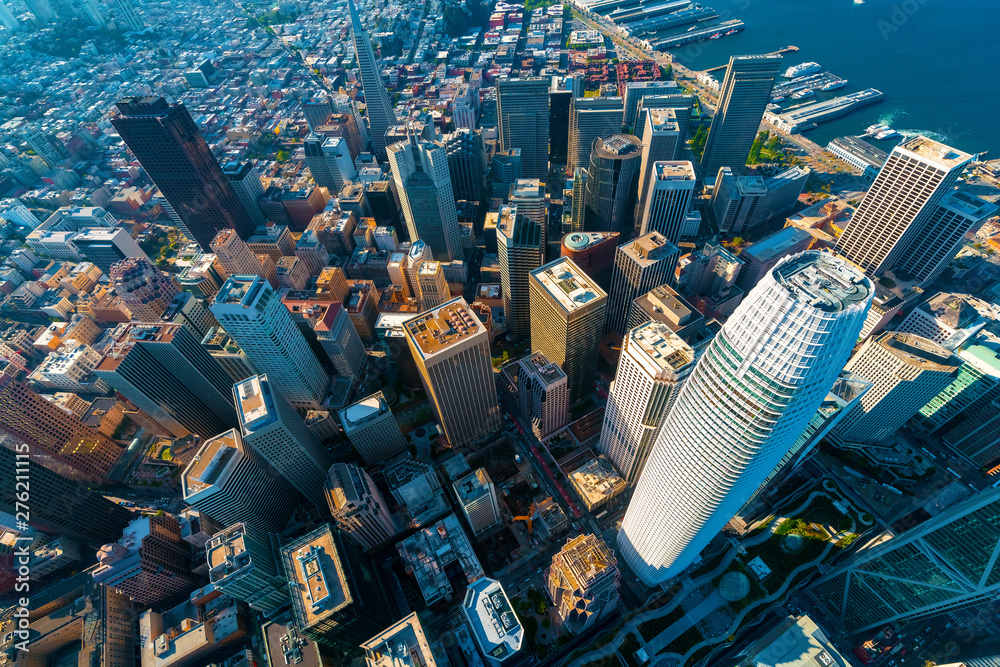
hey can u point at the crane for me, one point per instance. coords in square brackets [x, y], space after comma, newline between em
[527, 517]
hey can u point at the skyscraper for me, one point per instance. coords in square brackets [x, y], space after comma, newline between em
[452, 350]
[519, 248]
[668, 199]
[944, 564]
[168, 145]
[166, 372]
[654, 362]
[237, 259]
[423, 181]
[543, 394]
[378, 105]
[591, 118]
[896, 217]
[242, 563]
[640, 265]
[523, 121]
[128, 18]
[231, 482]
[583, 582]
[144, 289]
[578, 204]
[977, 381]
[531, 200]
[466, 163]
[251, 312]
[245, 179]
[372, 429]
[478, 497]
[271, 427]
[60, 506]
[747, 400]
[682, 105]
[329, 161]
[151, 563]
[907, 371]
[660, 143]
[58, 440]
[567, 319]
[745, 94]
[611, 186]
[635, 92]
[357, 506]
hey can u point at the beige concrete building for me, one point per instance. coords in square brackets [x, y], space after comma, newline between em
[583, 582]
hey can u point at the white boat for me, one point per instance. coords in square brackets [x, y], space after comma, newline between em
[773, 107]
[875, 129]
[859, 2]
[887, 134]
[802, 70]
[834, 85]
[779, 98]
[802, 94]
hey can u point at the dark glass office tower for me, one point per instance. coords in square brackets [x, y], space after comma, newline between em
[168, 145]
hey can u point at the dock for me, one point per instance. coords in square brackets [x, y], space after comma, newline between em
[651, 26]
[699, 35]
[783, 50]
[807, 116]
[814, 81]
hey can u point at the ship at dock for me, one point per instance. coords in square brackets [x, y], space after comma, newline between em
[802, 70]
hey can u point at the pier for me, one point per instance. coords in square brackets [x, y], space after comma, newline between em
[699, 35]
[783, 50]
[807, 116]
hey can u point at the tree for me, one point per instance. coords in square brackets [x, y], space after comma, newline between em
[281, 156]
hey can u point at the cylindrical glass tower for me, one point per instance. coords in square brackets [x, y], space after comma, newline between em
[751, 394]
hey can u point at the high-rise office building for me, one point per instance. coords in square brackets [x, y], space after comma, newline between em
[660, 143]
[451, 348]
[594, 252]
[519, 248]
[231, 482]
[944, 564]
[166, 372]
[654, 363]
[578, 201]
[352, 605]
[237, 259]
[432, 284]
[907, 371]
[543, 394]
[896, 217]
[582, 582]
[611, 184]
[105, 247]
[128, 18]
[336, 334]
[378, 104]
[978, 378]
[329, 161]
[744, 96]
[763, 255]
[591, 118]
[151, 563]
[735, 198]
[271, 427]
[478, 497]
[561, 95]
[747, 400]
[242, 563]
[60, 505]
[523, 122]
[506, 168]
[466, 163]
[640, 265]
[402, 641]
[168, 145]
[668, 200]
[7, 18]
[245, 179]
[636, 92]
[372, 429]
[567, 319]
[531, 200]
[144, 289]
[423, 182]
[357, 506]
[953, 223]
[251, 312]
[57, 439]
[682, 105]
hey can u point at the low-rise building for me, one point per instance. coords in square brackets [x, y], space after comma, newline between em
[596, 482]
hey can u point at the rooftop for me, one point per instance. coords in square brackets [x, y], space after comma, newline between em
[319, 586]
[429, 551]
[662, 346]
[549, 371]
[919, 352]
[402, 644]
[935, 152]
[597, 481]
[775, 244]
[617, 146]
[664, 304]
[127, 336]
[363, 411]
[255, 404]
[674, 171]
[473, 486]
[583, 560]
[649, 248]
[217, 455]
[494, 624]
[567, 284]
[227, 553]
[796, 642]
[578, 241]
[662, 120]
[440, 328]
[240, 290]
[826, 282]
